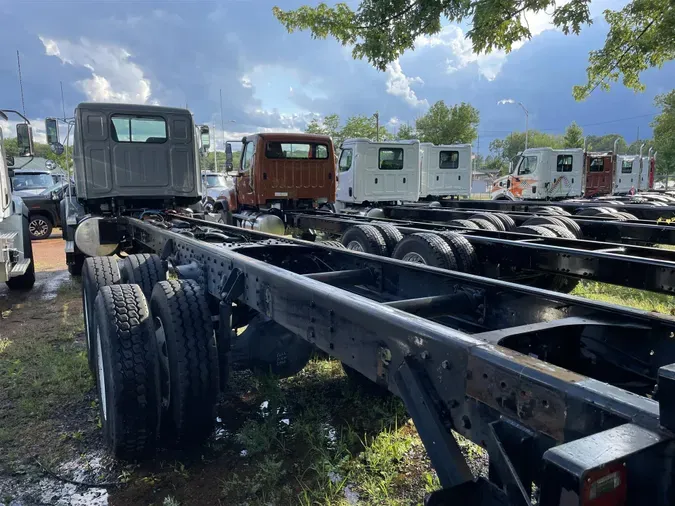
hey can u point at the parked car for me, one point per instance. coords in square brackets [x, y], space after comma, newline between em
[26, 182]
[213, 184]
[44, 210]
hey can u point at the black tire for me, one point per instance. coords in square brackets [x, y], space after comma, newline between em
[465, 254]
[498, 224]
[333, 244]
[75, 262]
[483, 224]
[571, 225]
[365, 238]
[627, 216]
[39, 227]
[544, 211]
[464, 224]
[535, 230]
[27, 279]
[543, 220]
[189, 356]
[426, 248]
[392, 236]
[269, 348]
[96, 273]
[508, 222]
[560, 231]
[128, 372]
[560, 211]
[145, 270]
[592, 211]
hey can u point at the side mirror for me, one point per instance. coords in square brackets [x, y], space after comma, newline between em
[24, 139]
[57, 148]
[10, 173]
[52, 129]
[228, 154]
[10, 160]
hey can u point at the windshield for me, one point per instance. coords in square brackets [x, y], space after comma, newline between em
[527, 165]
[514, 163]
[32, 181]
[216, 181]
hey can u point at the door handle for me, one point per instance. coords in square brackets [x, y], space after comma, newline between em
[403, 180]
[375, 180]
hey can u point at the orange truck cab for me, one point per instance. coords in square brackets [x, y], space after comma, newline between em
[278, 172]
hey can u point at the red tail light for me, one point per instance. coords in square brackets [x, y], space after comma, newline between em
[605, 486]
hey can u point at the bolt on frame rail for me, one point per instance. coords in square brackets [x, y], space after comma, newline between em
[561, 391]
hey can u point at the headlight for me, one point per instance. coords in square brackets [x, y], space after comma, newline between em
[208, 207]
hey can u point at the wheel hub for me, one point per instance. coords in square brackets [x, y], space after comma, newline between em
[38, 227]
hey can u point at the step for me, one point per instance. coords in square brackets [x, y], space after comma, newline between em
[20, 268]
[7, 239]
[71, 221]
[70, 246]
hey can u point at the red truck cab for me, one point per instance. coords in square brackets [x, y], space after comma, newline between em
[277, 172]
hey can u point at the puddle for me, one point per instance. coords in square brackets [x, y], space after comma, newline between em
[35, 487]
[50, 287]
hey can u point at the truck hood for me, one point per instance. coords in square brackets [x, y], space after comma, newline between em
[28, 193]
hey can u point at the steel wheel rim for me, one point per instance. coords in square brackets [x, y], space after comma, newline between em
[355, 246]
[414, 258]
[38, 227]
[101, 375]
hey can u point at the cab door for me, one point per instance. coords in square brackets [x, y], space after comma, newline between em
[599, 172]
[246, 180]
[345, 187]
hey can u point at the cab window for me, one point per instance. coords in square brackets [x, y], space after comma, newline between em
[246, 161]
[390, 159]
[597, 165]
[345, 160]
[564, 163]
[528, 164]
[448, 160]
[626, 166]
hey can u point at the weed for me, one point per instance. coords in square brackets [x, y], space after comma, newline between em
[4, 344]
[170, 501]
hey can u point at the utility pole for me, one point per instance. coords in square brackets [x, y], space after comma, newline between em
[18, 64]
[477, 164]
[222, 121]
[63, 103]
[215, 150]
[377, 126]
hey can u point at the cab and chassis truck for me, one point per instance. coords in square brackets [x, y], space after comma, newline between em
[574, 400]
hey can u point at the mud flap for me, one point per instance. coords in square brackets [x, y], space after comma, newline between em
[267, 347]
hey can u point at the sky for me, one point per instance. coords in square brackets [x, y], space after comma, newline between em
[178, 52]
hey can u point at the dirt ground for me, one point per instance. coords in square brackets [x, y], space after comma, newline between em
[314, 439]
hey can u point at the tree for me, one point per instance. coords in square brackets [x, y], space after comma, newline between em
[574, 136]
[495, 164]
[406, 132]
[356, 126]
[604, 143]
[641, 34]
[510, 146]
[664, 132]
[444, 125]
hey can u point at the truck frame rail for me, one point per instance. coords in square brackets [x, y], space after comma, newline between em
[562, 391]
[499, 252]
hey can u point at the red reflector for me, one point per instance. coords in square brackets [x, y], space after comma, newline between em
[605, 486]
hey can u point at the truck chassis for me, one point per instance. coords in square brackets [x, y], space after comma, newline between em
[573, 396]
[500, 252]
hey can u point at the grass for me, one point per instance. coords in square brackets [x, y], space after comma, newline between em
[638, 299]
[315, 439]
[43, 370]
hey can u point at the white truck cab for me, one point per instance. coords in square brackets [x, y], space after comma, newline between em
[445, 170]
[626, 174]
[17, 269]
[378, 171]
[543, 173]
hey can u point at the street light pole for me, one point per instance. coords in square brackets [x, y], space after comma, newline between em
[527, 118]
